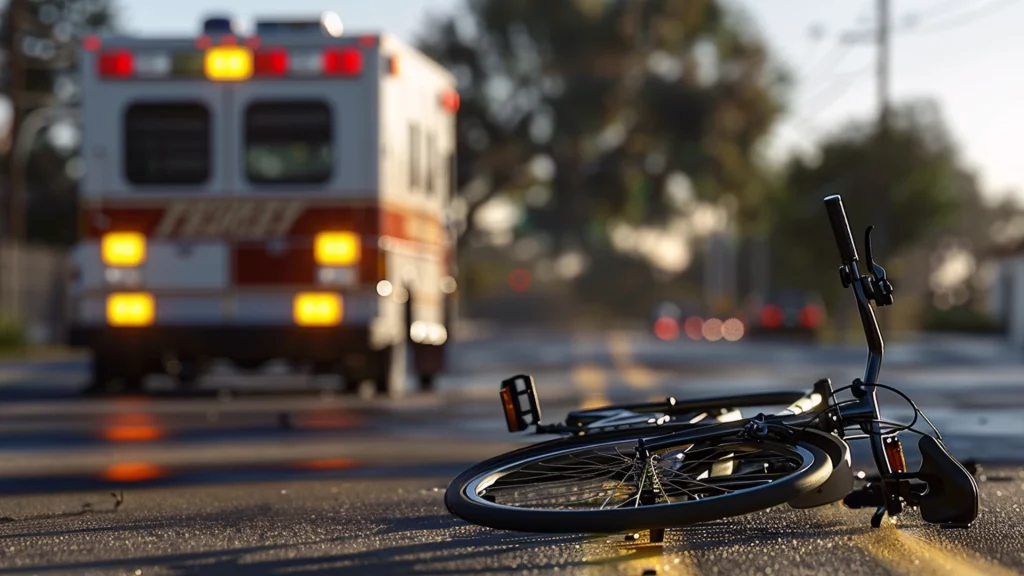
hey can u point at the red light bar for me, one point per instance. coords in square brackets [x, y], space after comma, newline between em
[116, 64]
[343, 62]
[272, 62]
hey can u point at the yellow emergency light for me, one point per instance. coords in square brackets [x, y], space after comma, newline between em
[130, 309]
[337, 248]
[317, 309]
[228, 63]
[123, 249]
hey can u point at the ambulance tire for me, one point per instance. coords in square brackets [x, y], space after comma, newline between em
[109, 377]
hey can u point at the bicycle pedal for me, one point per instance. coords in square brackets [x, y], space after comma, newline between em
[520, 403]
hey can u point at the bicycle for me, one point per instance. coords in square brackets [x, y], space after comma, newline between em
[658, 465]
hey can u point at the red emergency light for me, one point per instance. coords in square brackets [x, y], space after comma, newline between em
[121, 64]
[342, 62]
[116, 64]
[272, 62]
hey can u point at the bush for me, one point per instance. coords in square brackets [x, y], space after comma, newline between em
[960, 319]
[12, 333]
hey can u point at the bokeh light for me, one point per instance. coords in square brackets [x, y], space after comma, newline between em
[733, 330]
[712, 330]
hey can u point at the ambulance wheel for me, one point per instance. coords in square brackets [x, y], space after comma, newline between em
[392, 363]
[110, 377]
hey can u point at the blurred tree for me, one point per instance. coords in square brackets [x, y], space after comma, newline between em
[584, 108]
[51, 35]
[927, 189]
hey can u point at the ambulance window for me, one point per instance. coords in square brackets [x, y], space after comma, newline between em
[167, 143]
[288, 142]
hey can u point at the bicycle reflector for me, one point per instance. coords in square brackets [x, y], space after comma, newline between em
[520, 403]
[894, 453]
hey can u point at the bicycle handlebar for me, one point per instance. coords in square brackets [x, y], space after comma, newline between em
[841, 229]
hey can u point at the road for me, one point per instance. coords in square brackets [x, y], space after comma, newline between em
[293, 479]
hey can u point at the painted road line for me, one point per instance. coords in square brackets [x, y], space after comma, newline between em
[636, 376]
[903, 553]
[591, 381]
[637, 557]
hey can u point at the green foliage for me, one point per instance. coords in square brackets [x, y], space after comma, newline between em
[922, 195]
[618, 94]
[12, 334]
[52, 31]
[962, 319]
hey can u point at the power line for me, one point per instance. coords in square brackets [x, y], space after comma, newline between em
[968, 17]
[937, 9]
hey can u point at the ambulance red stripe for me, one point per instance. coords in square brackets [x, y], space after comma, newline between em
[257, 220]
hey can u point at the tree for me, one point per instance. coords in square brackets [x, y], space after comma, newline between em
[612, 97]
[926, 188]
[51, 32]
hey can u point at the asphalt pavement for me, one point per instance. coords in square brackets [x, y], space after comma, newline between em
[279, 474]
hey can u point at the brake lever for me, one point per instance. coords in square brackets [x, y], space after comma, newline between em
[881, 288]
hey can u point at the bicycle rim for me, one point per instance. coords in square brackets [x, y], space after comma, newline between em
[601, 485]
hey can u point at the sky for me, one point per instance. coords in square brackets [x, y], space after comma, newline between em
[964, 54]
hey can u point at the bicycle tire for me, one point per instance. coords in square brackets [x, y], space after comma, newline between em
[814, 469]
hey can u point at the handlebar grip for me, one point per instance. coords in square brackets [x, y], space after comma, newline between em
[841, 228]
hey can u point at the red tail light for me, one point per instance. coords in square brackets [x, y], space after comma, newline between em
[666, 328]
[272, 63]
[771, 316]
[116, 64]
[811, 316]
[343, 62]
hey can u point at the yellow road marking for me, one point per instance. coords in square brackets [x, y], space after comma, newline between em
[634, 558]
[904, 553]
[592, 381]
[636, 376]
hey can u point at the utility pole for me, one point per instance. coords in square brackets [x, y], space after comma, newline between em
[16, 89]
[883, 66]
[884, 238]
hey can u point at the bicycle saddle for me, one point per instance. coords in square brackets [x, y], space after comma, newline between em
[952, 495]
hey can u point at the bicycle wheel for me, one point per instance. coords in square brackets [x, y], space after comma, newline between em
[611, 483]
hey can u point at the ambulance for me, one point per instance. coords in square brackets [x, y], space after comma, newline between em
[280, 195]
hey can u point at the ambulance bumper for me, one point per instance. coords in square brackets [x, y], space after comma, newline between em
[241, 343]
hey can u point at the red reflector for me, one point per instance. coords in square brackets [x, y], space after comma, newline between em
[771, 316]
[116, 64]
[253, 42]
[204, 42]
[343, 62]
[451, 101]
[91, 43]
[368, 41]
[811, 316]
[272, 63]
[228, 40]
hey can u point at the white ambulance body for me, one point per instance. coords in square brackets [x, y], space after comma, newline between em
[277, 196]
